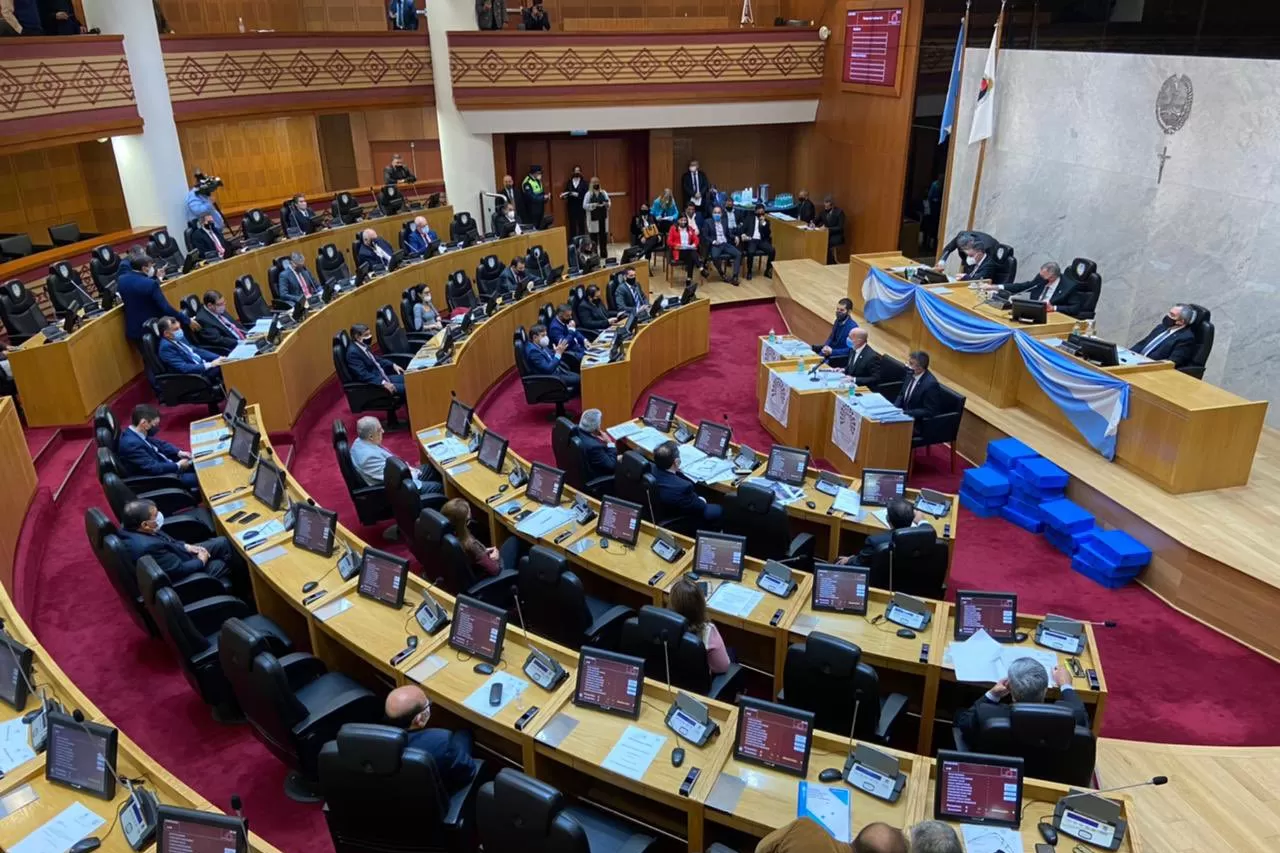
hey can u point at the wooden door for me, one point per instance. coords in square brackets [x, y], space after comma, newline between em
[613, 167]
[565, 154]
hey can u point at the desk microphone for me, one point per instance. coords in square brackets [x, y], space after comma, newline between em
[1105, 623]
[1154, 780]
[236, 806]
[813, 373]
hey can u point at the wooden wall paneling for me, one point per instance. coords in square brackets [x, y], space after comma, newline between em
[360, 145]
[737, 157]
[613, 166]
[52, 185]
[337, 151]
[101, 177]
[259, 160]
[499, 158]
[582, 15]
[527, 153]
[192, 17]
[661, 160]
[18, 474]
[563, 155]
[391, 131]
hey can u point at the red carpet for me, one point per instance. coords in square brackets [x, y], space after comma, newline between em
[1171, 679]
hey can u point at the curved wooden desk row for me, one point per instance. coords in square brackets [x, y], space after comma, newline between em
[284, 380]
[1172, 416]
[33, 269]
[61, 383]
[485, 355]
[366, 196]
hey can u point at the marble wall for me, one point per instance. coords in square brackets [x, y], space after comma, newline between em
[1074, 170]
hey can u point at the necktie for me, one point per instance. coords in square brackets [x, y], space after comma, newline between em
[1049, 291]
[302, 282]
[217, 244]
[191, 354]
[232, 327]
[1157, 340]
[381, 253]
[756, 231]
[911, 389]
[376, 363]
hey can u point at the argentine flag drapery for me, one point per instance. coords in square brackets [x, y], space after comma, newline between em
[953, 88]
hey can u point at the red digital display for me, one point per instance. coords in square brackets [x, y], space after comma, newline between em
[979, 792]
[996, 614]
[871, 39]
[187, 837]
[773, 738]
[609, 684]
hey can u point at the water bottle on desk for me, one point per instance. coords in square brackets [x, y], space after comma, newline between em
[773, 339]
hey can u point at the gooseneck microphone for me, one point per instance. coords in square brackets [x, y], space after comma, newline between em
[1154, 780]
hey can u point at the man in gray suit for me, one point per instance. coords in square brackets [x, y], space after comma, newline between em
[370, 459]
[296, 283]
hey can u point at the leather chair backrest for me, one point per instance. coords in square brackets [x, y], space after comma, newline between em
[19, 311]
[489, 268]
[952, 402]
[259, 684]
[611, 293]
[825, 675]
[18, 246]
[429, 530]
[1046, 737]
[105, 420]
[914, 543]
[407, 301]
[340, 343]
[108, 462]
[104, 267]
[919, 563]
[1205, 346]
[250, 306]
[628, 479]
[391, 336]
[518, 812]
[751, 512]
[402, 493]
[168, 611]
[65, 234]
[331, 264]
[117, 493]
[189, 304]
[459, 292]
[65, 289]
[97, 527]
[575, 467]
[342, 450]
[561, 431]
[255, 223]
[892, 374]
[552, 598]
[546, 314]
[518, 340]
[642, 635]
[537, 262]
[390, 200]
[165, 250]
[346, 208]
[151, 338]
[273, 275]
[405, 230]
[463, 227]
[120, 567]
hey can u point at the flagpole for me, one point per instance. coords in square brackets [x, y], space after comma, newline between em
[951, 139]
[982, 150]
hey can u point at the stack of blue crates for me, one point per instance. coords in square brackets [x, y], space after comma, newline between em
[1111, 558]
[984, 491]
[1066, 524]
[1035, 480]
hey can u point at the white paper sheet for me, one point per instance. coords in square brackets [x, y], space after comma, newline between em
[777, 399]
[264, 531]
[829, 807]
[1009, 654]
[544, 520]
[243, 350]
[447, 448]
[622, 430]
[977, 659]
[512, 687]
[734, 599]
[690, 455]
[634, 752]
[648, 438]
[990, 839]
[848, 501]
[708, 469]
[261, 326]
[14, 749]
[60, 832]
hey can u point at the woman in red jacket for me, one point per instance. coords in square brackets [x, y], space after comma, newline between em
[682, 240]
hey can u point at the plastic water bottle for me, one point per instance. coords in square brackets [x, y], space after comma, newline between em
[240, 21]
[773, 339]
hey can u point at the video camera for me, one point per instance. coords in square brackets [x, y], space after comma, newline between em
[205, 185]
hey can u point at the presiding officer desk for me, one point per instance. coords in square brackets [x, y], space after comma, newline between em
[62, 382]
[1172, 416]
[567, 745]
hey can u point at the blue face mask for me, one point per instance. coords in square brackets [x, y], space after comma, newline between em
[716, 217]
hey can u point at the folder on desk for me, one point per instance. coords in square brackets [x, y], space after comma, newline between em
[544, 520]
[244, 349]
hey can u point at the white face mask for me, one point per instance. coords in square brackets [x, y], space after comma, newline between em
[693, 168]
[511, 214]
[573, 327]
[544, 341]
[159, 519]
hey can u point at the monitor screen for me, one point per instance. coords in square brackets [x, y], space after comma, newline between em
[244, 444]
[619, 520]
[774, 735]
[383, 577]
[180, 830]
[81, 755]
[545, 484]
[609, 682]
[459, 420]
[713, 439]
[493, 451]
[233, 408]
[15, 672]
[478, 628]
[974, 788]
[997, 612]
[659, 412]
[719, 555]
[314, 528]
[881, 485]
[268, 485]
[787, 465]
[840, 589]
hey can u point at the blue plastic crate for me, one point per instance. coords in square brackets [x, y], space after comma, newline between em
[1062, 541]
[1027, 522]
[1100, 577]
[1033, 495]
[1041, 473]
[1005, 452]
[1119, 548]
[986, 481]
[1065, 516]
[975, 504]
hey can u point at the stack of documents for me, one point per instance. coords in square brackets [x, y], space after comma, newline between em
[708, 469]
[879, 409]
[448, 447]
[243, 350]
[648, 438]
[783, 493]
[980, 658]
[690, 455]
[625, 429]
[734, 599]
[261, 326]
[542, 521]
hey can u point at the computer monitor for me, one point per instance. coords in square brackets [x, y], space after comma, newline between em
[268, 485]
[244, 444]
[459, 420]
[774, 735]
[840, 589]
[1100, 352]
[659, 412]
[314, 528]
[1029, 311]
[881, 485]
[976, 788]
[15, 672]
[619, 520]
[493, 451]
[719, 555]
[383, 577]
[545, 484]
[787, 465]
[713, 439]
[609, 682]
[81, 755]
[233, 408]
[180, 830]
[478, 628]
[995, 612]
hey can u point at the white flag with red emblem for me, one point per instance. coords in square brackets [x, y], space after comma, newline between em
[984, 112]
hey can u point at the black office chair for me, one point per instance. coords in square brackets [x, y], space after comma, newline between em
[1006, 269]
[517, 812]
[183, 518]
[942, 428]
[436, 542]
[104, 268]
[331, 265]
[556, 607]
[177, 389]
[644, 635]
[346, 209]
[390, 200]
[164, 250]
[751, 512]
[190, 628]
[66, 291]
[919, 563]
[406, 502]
[685, 525]
[370, 501]
[109, 463]
[251, 306]
[68, 233]
[19, 246]
[539, 265]
[458, 291]
[540, 388]
[258, 229]
[892, 374]
[382, 795]
[464, 228]
[363, 396]
[546, 314]
[294, 703]
[1046, 737]
[20, 312]
[570, 457]
[1084, 273]
[393, 341]
[488, 271]
[628, 480]
[1202, 327]
[826, 675]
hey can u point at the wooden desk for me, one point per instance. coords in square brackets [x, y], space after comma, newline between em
[486, 354]
[676, 337]
[33, 269]
[794, 241]
[18, 474]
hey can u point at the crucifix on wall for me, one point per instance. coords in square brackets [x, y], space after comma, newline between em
[1163, 155]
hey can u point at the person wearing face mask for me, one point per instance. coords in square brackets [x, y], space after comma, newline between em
[218, 332]
[515, 279]
[367, 366]
[420, 237]
[597, 207]
[505, 222]
[142, 536]
[982, 266]
[1172, 340]
[836, 346]
[564, 328]
[547, 360]
[645, 233]
[144, 454]
[209, 239]
[574, 195]
[425, 316]
[178, 356]
[509, 193]
[682, 241]
[694, 184]
[963, 241]
[593, 315]
[534, 194]
[676, 495]
[296, 283]
[921, 395]
[409, 708]
[587, 254]
[832, 219]
[805, 211]
[664, 210]
[757, 239]
[721, 242]
[297, 217]
[373, 250]
[397, 172]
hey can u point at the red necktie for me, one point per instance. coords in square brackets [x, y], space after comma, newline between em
[235, 330]
[217, 244]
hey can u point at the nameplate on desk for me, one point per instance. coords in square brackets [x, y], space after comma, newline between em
[725, 793]
[60, 831]
[227, 508]
[459, 469]
[16, 799]
[583, 545]
[554, 732]
[332, 609]
[425, 668]
[209, 463]
[268, 555]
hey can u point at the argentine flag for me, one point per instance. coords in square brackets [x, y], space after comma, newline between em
[953, 89]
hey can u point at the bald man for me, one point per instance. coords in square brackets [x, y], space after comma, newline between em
[864, 362]
[409, 708]
[373, 250]
[806, 836]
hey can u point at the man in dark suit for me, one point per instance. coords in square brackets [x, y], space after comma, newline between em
[367, 366]
[373, 250]
[178, 356]
[629, 296]
[296, 283]
[515, 279]
[140, 293]
[511, 195]
[921, 396]
[217, 330]
[1051, 288]
[721, 242]
[1172, 340]
[297, 216]
[864, 362]
[143, 454]
[576, 189]
[600, 451]
[757, 239]
[409, 708]
[695, 184]
[212, 243]
[836, 346]
[965, 240]
[832, 219]
[676, 495]
[142, 537]
[420, 237]
[1026, 682]
[505, 222]
[900, 514]
[805, 211]
[547, 360]
[564, 328]
[397, 172]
